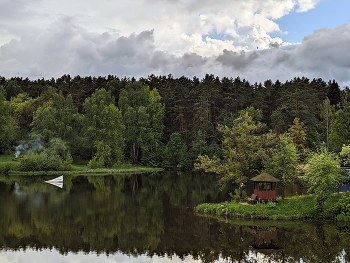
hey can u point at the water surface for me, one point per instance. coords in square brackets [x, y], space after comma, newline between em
[148, 218]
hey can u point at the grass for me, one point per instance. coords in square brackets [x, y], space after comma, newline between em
[7, 163]
[297, 207]
[9, 166]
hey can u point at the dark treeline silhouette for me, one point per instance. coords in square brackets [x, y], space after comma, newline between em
[195, 107]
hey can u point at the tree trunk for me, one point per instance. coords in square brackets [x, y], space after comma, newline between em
[240, 183]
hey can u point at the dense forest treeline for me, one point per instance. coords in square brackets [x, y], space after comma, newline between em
[160, 120]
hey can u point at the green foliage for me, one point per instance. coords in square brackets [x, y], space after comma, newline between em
[343, 205]
[109, 139]
[143, 115]
[56, 157]
[340, 133]
[256, 114]
[282, 160]
[176, 155]
[271, 205]
[12, 89]
[102, 157]
[5, 123]
[22, 109]
[5, 167]
[327, 114]
[165, 105]
[94, 107]
[323, 175]
[240, 147]
[297, 132]
[58, 118]
[39, 162]
[152, 148]
[235, 197]
[297, 207]
[104, 127]
[345, 155]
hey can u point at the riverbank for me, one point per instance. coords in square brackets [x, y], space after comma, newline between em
[9, 166]
[296, 207]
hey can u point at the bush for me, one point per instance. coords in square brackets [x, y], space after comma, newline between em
[54, 158]
[342, 217]
[96, 163]
[235, 197]
[270, 204]
[342, 207]
[6, 168]
[40, 162]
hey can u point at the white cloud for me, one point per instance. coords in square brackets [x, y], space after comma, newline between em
[67, 48]
[142, 37]
[173, 21]
[306, 5]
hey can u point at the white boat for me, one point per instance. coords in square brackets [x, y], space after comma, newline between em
[56, 181]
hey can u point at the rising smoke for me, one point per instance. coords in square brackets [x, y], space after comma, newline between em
[32, 143]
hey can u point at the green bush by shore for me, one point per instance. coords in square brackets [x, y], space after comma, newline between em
[296, 207]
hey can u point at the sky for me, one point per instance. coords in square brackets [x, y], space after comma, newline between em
[253, 39]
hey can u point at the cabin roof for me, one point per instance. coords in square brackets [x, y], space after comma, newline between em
[265, 177]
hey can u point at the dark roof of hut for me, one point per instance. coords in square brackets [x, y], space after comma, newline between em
[265, 177]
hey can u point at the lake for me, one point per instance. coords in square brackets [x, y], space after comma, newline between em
[148, 218]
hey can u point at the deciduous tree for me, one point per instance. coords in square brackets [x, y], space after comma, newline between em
[323, 175]
[282, 160]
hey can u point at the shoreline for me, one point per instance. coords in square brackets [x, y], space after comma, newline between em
[100, 171]
[291, 208]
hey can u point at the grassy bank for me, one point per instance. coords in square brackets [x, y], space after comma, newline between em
[86, 171]
[297, 207]
[10, 167]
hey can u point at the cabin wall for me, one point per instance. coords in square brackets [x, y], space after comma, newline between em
[266, 195]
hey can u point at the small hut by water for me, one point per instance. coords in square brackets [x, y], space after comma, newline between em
[265, 187]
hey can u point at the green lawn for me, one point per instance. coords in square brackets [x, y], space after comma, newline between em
[7, 163]
[297, 207]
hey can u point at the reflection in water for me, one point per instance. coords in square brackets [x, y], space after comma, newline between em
[53, 256]
[149, 218]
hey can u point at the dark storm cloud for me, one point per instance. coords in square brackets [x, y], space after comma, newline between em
[236, 60]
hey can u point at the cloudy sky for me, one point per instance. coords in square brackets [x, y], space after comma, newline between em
[253, 39]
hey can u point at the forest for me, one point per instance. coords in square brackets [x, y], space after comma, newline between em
[161, 121]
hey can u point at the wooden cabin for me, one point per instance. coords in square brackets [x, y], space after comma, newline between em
[265, 187]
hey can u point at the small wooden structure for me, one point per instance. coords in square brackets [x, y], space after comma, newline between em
[265, 187]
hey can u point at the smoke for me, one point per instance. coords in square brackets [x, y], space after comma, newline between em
[32, 143]
[20, 148]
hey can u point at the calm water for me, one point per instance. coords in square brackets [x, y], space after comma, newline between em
[148, 218]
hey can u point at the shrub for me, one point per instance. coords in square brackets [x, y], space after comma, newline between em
[270, 204]
[54, 158]
[6, 168]
[342, 217]
[235, 197]
[343, 205]
[96, 163]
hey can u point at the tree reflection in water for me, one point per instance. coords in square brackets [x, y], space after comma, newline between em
[152, 215]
